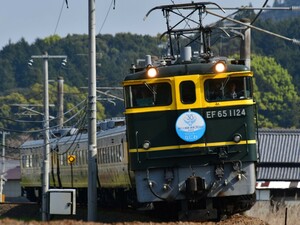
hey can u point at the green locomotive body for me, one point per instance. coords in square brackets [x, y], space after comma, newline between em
[185, 143]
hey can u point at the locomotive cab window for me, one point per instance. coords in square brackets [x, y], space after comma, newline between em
[187, 92]
[148, 95]
[226, 89]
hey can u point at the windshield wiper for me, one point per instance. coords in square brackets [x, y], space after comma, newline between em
[150, 88]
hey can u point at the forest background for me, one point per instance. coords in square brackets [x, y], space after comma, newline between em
[273, 61]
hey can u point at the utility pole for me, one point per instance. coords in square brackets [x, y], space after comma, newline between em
[2, 178]
[46, 153]
[60, 102]
[92, 123]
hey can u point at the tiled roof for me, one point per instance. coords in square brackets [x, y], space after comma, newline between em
[278, 173]
[279, 146]
[279, 154]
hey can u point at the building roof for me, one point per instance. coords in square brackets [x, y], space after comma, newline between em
[9, 163]
[14, 173]
[278, 173]
[279, 155]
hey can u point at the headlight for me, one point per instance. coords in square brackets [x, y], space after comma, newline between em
[152, 72]
[220, 67]
[146, 145]
[237, 138]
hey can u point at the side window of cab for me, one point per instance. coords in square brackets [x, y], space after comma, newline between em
[228, 89]
[148, 95]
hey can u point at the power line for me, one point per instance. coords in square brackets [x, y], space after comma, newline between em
[60, 13]
[52, 140]
[77, 114]
[39, 121]
[79, 125]
[258, 14]
[106, 16]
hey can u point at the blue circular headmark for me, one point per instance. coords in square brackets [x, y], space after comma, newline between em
[190, 126]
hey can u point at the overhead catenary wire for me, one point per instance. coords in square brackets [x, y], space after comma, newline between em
[56, 140]
[53, 141]
[75, 140]
[52, 127]
[42, 121]
[80, 121]
[60, 13]
[113, 2]
[41, 130]
[293, 40]
[258, 14]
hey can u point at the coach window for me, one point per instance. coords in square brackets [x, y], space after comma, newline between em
[187, 92]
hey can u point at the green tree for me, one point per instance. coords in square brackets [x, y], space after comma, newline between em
[276, 95]
[52, 39]
[7, 81]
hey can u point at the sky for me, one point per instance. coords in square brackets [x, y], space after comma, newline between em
[37, 19]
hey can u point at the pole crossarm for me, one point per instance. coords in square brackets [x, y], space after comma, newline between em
[110, 95]
[31, 105]
[31, 110]
[46, 56]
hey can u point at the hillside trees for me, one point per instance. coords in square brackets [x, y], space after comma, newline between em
[286, 53]
[116, 53]
[7, 81]
[275, 93]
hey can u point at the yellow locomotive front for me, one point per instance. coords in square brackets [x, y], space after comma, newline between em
[186, 144]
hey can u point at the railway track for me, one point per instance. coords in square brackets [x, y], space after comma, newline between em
[32, 211]
[21, 213]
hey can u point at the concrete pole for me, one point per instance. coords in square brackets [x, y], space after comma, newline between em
[92, 123]
[245, 51]
[60, 102]
[46, 156]
[46, 153]
[2, 178]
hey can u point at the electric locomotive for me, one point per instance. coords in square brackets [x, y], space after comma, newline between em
[191, 127]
